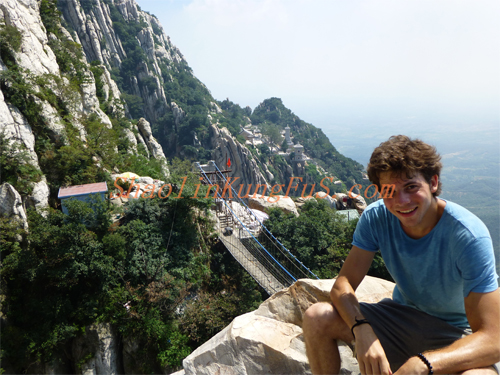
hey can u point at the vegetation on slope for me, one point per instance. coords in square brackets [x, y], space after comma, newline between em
[80, 268]
[74, 270]
[272, 112]
[320, 238]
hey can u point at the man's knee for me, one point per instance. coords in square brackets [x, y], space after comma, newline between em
[322, 317]
[490, 370]
[318, 312]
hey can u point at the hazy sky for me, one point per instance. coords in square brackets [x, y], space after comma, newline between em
[347, 66]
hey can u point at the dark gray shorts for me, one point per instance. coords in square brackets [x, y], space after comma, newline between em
[404, 331]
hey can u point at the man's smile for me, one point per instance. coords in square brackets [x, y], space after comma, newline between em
[407, 212]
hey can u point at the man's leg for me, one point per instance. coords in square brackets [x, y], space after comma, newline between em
[322, 326]
[481, 371]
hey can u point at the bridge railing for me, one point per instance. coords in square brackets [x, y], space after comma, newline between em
[265, 247]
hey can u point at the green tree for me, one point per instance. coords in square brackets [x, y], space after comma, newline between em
[272, 132]
[55, 286]
[16, 167]
[319, 238]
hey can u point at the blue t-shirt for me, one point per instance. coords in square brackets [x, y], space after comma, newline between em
[433, 273]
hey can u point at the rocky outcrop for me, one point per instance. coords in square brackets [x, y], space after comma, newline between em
[16, 129]
[142, 187]
[243, 165]
[262, 203]
[152, 145]
[320, 195]
[35, 54]
[11, 205]
[98, 351]
[39, 197]
[344, 201]
[269, 340]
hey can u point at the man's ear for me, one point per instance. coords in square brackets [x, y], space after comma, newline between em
[434, 183]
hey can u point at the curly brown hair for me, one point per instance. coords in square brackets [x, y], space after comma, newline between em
[405, 157]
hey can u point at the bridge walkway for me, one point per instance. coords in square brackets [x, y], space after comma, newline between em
[255, 248]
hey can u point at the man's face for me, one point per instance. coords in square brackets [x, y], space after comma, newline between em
[412, 202]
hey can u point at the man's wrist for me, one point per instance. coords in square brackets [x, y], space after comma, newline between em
[426, 362]
[359, 323]
[418, 366]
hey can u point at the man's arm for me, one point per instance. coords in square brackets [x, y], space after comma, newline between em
[371, 355]
[480, 349]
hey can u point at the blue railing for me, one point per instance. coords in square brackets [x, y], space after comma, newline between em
[266, 249]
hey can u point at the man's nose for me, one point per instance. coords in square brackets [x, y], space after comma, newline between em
[402, 197]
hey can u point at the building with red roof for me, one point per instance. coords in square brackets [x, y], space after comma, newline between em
[81, 192]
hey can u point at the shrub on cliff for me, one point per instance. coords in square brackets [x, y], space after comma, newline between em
[320, 238]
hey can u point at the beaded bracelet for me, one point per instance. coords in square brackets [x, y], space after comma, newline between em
[427, 363]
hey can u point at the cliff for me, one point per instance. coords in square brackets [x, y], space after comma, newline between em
[88, 90]
[82, 74]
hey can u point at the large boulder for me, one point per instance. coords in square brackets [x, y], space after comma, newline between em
[345, 202]
[320, 195]
[263, 202]
[269, 340]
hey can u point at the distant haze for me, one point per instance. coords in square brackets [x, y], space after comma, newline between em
[362, 64]
[362, 70]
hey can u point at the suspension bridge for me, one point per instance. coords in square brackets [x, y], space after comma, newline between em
[245, 236]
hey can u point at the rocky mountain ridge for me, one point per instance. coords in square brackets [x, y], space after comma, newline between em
[89, 89]
[71, 68]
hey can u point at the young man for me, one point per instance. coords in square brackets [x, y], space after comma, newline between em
[445, 313]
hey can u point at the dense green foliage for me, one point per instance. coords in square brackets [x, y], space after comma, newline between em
[235, 116]
[320, 238]
[15, 167]
[10, 42]
[183, 88]
[78, 269]
[160, 259]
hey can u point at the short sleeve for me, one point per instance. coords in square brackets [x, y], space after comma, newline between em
[477, 266]
[365, 234]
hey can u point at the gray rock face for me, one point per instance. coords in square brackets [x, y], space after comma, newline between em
[112, 93]
[55, 123]
[91, 30]
[100, 42]
[152, 145]
[39, 198]
[269, 340]
[16, 129]
[101, 344]
[35, 53]
[178, 113]
[132, 141]
[286, 204]
[11, 205]
[242, 163]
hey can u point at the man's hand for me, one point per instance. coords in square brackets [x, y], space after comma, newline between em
[371, 356]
